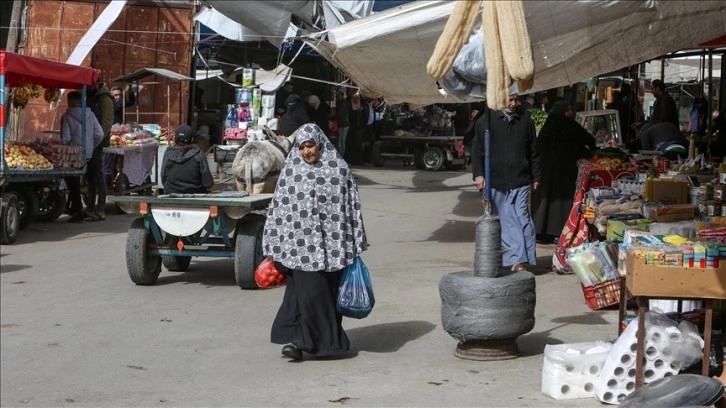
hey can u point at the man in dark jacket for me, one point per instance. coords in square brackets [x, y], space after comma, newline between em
[515, 166]
[184, 169]
[102, 106]
[119, 104]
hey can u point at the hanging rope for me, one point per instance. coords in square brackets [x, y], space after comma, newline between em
[507, 47]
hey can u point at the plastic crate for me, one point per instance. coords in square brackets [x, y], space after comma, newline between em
[602, 294]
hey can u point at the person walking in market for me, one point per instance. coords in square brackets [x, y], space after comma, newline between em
[561, 143]
[314, 229]
[341, 115]
[72, 135]
[515, 169]
[102, 105]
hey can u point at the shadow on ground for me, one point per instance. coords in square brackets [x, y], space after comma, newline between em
[217, 272]
[387, 337]
[13, 268]
[534, 343]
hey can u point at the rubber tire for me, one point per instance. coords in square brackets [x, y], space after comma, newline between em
[376, 157]
[432, 158]
[479, 308]
[175, 263]
[418, 158]
[143, 269]
[28, 205]
[56, 205]
[248, 241]
[9, 218]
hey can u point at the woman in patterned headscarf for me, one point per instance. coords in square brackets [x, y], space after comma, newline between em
[314, 229]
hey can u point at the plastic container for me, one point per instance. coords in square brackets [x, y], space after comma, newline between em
[602, 294]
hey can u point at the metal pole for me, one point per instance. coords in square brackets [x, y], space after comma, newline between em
[138, 101]
[709, 104]
[662, 69]
[168, 105]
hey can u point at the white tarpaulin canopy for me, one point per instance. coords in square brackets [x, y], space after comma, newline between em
[268, 81]
[386, 53]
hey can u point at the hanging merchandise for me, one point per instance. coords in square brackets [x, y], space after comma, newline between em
[268, 101]
[232, 117]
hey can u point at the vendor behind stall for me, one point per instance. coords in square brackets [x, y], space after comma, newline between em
[184, 169]
[664, 137]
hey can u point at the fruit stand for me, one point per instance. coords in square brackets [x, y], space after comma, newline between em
[31, 169]
[176, 227]
[137, 152]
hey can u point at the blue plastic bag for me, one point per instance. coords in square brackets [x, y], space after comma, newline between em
[355, 295]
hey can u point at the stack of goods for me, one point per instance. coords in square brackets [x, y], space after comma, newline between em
[596, 266]
[62, 156]
[672, 250]
[23, 157]
[604, 204]
[668, 349]
[613, 159]
[162, 135]
[570, 371]
[607, 371]
[125, 136]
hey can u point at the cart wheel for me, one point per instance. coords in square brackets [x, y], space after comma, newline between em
[143, 268]
[418, 158]
[127, 208]
[175, 263]
[51, 205]
[377, 159]
[432, 158]
[27, 205]
[10, 222]
[248, 251]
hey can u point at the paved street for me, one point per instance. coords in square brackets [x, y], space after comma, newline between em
[75, 331]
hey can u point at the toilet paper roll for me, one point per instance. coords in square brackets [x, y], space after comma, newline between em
[272, 123]
[268, 101]
[268, 113]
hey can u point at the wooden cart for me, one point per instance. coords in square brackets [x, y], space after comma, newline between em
[174, 228]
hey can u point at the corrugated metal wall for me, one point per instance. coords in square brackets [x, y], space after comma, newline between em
[146, 34]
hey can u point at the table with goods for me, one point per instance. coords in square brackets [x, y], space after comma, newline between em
[32, 166]
[133, 156]
[652, 230]
[176, 227]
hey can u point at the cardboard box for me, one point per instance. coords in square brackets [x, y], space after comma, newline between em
[666, 191]
[655, 281]
[671, 213]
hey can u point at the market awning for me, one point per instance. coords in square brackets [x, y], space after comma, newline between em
[145, 72]
[386, 53]
[20, 70]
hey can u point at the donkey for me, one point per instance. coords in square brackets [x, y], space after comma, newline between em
[258, 163]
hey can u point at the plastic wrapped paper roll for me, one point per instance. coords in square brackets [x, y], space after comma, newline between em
[268, 113]
[272, 123]
[268, 101]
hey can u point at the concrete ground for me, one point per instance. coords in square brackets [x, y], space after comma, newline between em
[76, 332]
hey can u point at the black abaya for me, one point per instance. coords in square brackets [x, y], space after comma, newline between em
[560, 143]
[306, 319]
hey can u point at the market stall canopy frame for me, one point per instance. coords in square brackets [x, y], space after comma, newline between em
[386, 53]
[20, 70]
[145, 72]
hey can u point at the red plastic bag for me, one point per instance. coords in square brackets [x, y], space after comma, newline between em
[267, 276]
